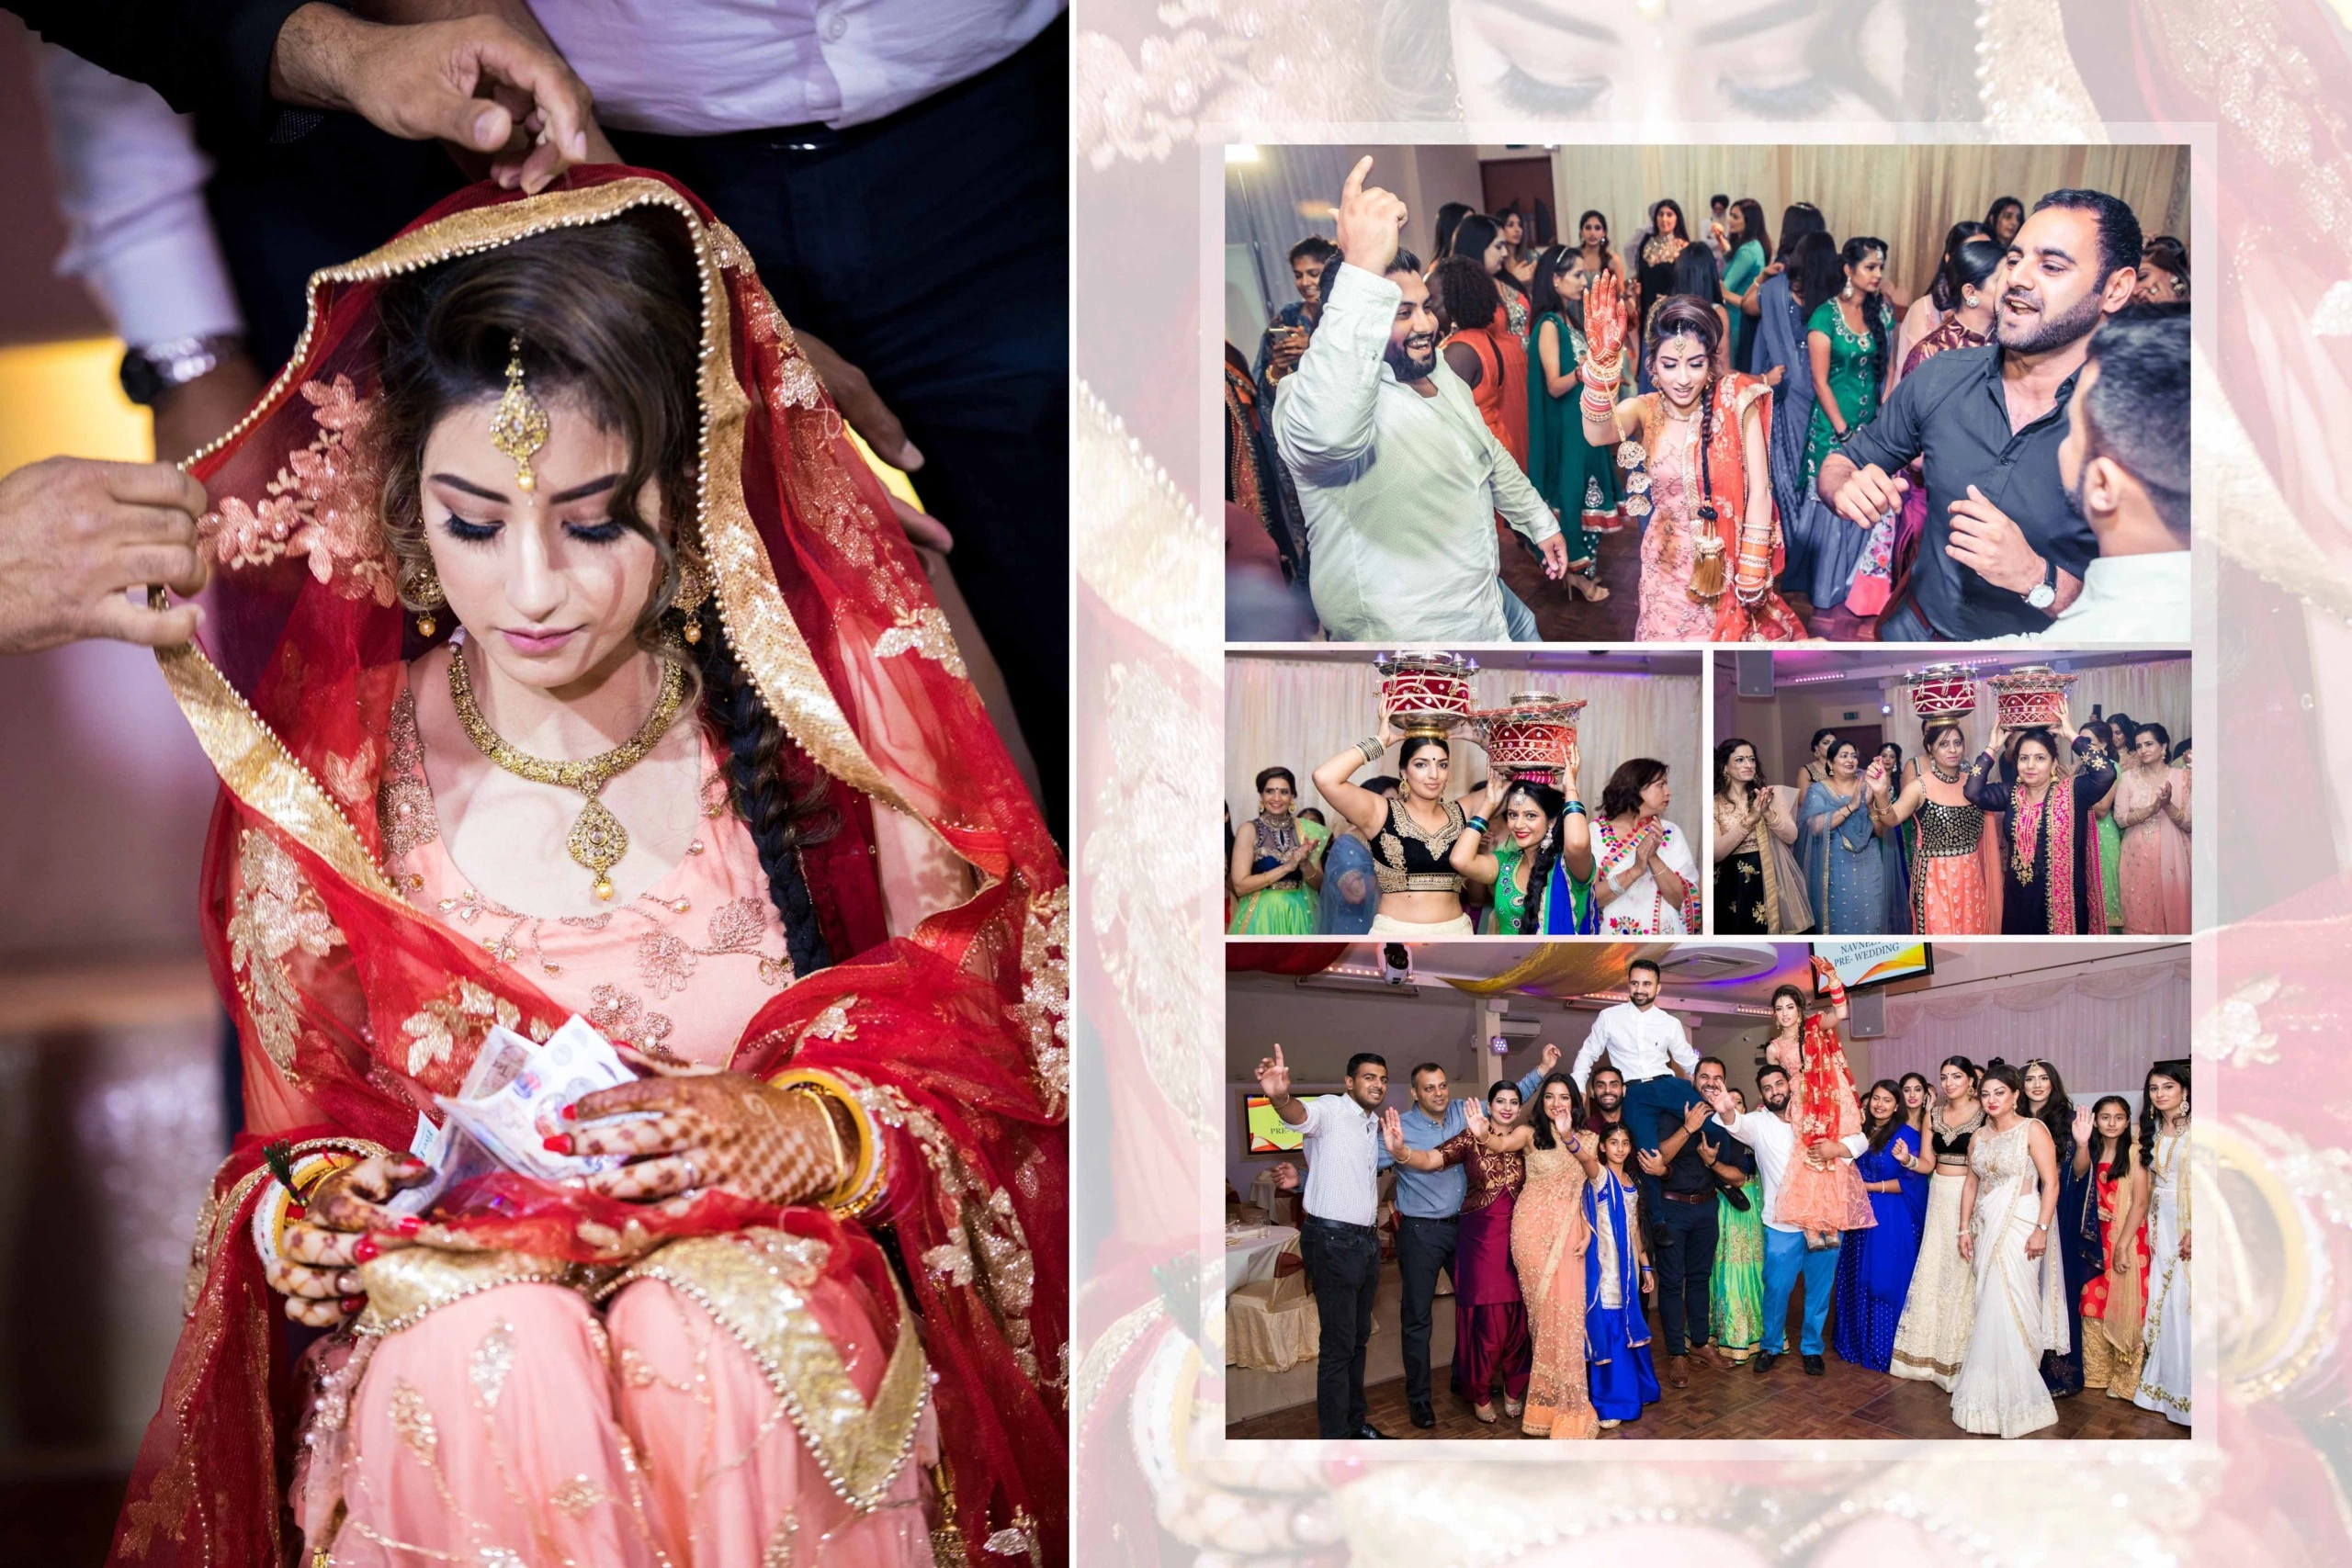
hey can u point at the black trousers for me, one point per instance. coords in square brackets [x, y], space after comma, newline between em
[1343, 1266]
[1423, 1247]
[1686, 1259]
[931, 249]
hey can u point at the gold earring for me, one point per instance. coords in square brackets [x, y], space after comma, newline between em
[694, 590]
[427, 592]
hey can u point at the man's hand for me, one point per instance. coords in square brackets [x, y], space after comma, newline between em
[1695, 1116]
[1984, 540]
[1370, 219]
[1285, 1177]
[191, 416]
[1273, 1075]
[1726, 1109]
[474, 81]
[1869, 493]
[859, 404]
[1650, 1161]
[1708, 1151]
[1555, 556]
[74, 535]
[1549, 1059]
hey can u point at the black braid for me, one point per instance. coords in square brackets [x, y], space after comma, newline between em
[780, 821]
[1706, 442]
[1539, 878]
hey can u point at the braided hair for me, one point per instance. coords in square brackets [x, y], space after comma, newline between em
[1553, 805]
[1874, 309]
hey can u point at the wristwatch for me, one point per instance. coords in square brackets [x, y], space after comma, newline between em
[150, 371]
[2044, 593]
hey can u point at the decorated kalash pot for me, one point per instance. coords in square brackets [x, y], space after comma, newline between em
[2029, 696]
[1944, 690]
[1529, 738]
[1426, 692]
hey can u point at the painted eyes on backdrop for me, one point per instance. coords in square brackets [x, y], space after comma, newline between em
[1605, 58]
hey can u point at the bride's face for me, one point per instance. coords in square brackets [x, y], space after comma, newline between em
[548, 585]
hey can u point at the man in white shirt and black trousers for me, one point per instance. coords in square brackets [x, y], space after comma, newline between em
[1787, 1253]
[1335, 1234]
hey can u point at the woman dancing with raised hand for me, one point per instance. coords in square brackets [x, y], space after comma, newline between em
[1940, 1308]
[1695, 456]
[2164, 1148]
[1875, 1264]
[2114, 1302]
[1576, 479]
[1952, 844]
[1412, 834]
[1274, 874]
[1549, 1235]
[1542, 872]
[2007, 1206]
[1825, 1199]
[2052, 886]
[1759, 886]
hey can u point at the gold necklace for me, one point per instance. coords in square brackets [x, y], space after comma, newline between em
[597, 839]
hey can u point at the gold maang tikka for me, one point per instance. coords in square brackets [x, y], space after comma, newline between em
[519, 427]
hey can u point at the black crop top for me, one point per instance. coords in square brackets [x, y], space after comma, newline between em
[1408, 859]
[1956, 1146]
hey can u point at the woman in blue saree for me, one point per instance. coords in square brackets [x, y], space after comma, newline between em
[1845, 869]
[1617, 1276]
[1875, 1266]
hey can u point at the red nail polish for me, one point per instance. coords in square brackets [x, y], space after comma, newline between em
[367, 1250]
[295, 1211]
[559, 1144]
[409, 1224]
[571, 1112]
[353, 1303]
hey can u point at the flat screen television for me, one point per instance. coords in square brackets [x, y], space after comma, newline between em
[1865, 963]
[1263, 1132]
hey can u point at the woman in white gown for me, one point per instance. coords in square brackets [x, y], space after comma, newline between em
[2007, 1208]
[2164, 1149]
[1940, 1308]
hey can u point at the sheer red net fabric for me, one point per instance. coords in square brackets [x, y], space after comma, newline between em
[354, 1009]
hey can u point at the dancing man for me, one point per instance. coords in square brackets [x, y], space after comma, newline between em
[2005, 550]
[1397, 473]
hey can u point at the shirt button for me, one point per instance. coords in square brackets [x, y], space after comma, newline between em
[836, 25]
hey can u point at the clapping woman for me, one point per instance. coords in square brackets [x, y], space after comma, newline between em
[1759, 887]
[1844, 867]
[2152, 863]
[1648, 880]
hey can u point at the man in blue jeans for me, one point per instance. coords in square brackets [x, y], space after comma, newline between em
[1787, 1254]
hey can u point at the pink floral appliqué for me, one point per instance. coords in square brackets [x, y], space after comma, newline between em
[323, 505]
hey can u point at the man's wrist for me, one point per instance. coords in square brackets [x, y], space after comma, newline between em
[311, 63]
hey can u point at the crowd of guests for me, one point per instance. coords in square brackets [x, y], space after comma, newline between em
[2047, 832]
[1984, 1233]
[1403, 857]
[1737, 400]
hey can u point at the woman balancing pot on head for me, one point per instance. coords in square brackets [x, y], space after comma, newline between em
[1274, 874]
[1694, 455]
[646, 788]
[1412, 836]
[2052, 885]
[1954, 851]
[1825, 1197]
[1541, 871]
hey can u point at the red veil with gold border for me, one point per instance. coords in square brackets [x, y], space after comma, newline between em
[354, 1009]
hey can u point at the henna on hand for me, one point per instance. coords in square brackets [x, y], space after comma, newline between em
[721, 1130]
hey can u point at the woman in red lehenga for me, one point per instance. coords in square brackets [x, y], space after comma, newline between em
[819, 1314]
[1826, 1198]
[1695, 456]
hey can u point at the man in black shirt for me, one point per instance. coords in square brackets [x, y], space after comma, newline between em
[2003, 551]
[1686, 1168]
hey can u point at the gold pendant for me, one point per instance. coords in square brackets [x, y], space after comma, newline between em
[598, 841]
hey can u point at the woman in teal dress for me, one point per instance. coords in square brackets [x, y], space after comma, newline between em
[1541, 868]
[1576, 479]
[1848, 338]
[2115, 735]
[1750, 243]
[1736, 1288]
[1275, 871]
[1845, 869]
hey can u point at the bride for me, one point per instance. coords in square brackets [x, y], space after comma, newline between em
[562, 659]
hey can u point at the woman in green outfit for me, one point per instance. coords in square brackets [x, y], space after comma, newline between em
[1542, 870]
[2115, 735]
[1848, 337]
[1751, 248]
[1576, 479]
[1735, 1290]
[1275, 871]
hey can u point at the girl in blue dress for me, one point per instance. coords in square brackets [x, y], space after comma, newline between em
[1617, 1276]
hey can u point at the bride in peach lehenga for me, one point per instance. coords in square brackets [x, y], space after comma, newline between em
[564, 658]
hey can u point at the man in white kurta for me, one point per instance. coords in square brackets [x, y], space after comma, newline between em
[1398, 476]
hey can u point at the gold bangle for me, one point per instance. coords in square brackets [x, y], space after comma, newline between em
[861, 1184]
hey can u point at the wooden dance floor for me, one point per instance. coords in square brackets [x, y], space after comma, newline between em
[1734, 1401]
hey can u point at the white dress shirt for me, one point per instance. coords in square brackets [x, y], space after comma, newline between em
[1399, 489]
[703, 67]
[2135, 599]
[1775, 1143]
[1640, 1043]
[1343, 1158]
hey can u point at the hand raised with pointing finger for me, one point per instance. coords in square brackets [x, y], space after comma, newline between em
[1370, 219]
[1273, 1075]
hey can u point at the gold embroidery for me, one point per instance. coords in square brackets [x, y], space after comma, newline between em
[413, 1419]
[352, 779]
[923, 631]
[404, 815]
[796, 386]
[274, 912]
[493, 1358]
[463, 1017]
[635, 1370]
[1019, 1540]
[664, 962]
[952, 1261]
[1044, 1008]
[403, 1287]
[578, 1494]
[322, 506]
[832, 1023]
[726, 248]
[859, 1447]
[624, 1019]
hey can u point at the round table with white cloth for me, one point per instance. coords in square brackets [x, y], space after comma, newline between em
[1250, 1251]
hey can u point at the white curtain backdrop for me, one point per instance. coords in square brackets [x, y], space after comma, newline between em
[2155, 693]
[1296, 713]
[2102, 1027]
